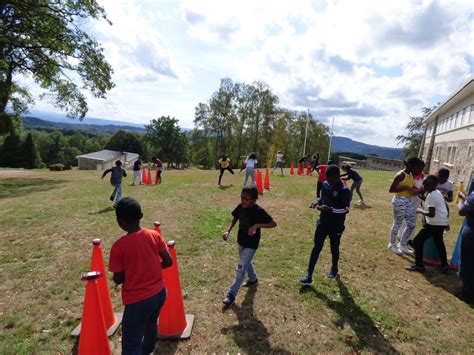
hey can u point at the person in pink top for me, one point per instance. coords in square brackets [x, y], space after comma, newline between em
[321, 169]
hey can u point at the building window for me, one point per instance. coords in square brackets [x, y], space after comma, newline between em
[438, 152]
[469, 151]
[453, 155]
[448, 155]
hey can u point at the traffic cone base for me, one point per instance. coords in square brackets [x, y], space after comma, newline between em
[111, 331]
[186, 332]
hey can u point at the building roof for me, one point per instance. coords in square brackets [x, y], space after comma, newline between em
[466, 89]
[107, 155]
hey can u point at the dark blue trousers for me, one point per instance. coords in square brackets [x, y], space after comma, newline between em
[467, 261]
[324, 230]
[139, 325]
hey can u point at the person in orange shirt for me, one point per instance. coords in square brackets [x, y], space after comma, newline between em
[136, 259]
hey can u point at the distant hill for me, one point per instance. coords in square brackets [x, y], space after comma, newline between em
[37, 123]
[57, 117]
[52, 121]
[343, 144]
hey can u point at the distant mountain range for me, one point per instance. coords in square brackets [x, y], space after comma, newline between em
[343, 144]
[52, 121]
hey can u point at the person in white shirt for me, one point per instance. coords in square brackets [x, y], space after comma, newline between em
[436, 223]
[445, 186]
[279, 162]
[250, 165]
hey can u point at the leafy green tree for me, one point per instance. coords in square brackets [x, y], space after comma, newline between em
[31, 158]
[47, 41]
[11, 153]
[167, 140]
[124, 141]
[415, 131]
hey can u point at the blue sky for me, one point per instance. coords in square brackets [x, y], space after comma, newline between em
[369, 64]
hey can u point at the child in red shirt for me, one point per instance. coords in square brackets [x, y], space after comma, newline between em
[321, 169]
[136, 264]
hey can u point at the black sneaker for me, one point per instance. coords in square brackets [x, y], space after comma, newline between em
[414, 267]
[112, 197]
[333, 274]
[250, 283]
[228, 300]
[411, 244]
[305, 280]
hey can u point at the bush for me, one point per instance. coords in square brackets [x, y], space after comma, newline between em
[56, 167]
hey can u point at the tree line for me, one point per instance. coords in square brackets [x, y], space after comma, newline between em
[240, 118]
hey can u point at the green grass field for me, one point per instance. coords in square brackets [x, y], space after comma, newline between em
[48, 220]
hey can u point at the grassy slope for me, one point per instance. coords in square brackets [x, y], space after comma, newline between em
[49, 219]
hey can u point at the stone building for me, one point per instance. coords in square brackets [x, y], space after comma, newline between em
[105, 159]
[448, 141]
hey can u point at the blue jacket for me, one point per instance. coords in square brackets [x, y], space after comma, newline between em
[337, 197]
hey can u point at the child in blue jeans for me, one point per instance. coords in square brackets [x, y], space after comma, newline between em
[251, 218]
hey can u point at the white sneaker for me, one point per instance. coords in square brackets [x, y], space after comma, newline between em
[395, 249]
[404, 249]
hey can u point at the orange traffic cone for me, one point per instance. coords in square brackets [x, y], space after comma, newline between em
[308, 170]
[144, 177]
[157, 226]
[174, 323]
[300, 169]
[149, 177]
[292, 169]
[93, 338]
[258, 181]
[266, 184]
[112, 320]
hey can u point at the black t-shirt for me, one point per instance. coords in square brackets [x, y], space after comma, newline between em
[247, 218]
[137, 165]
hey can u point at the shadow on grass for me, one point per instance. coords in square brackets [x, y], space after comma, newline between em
[104, 210]
[16, 187]
[224, 187]
[368, 336]
[250, 334]
[449, 282]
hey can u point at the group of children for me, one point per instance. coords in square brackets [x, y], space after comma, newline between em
[137, 258]
[117, 172]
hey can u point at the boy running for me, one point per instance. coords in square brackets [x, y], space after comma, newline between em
[117, 172]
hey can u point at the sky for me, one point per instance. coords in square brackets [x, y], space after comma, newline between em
[369, 64]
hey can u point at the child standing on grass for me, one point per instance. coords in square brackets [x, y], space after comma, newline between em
[334, 205]
[403, 188]
[251, 218]
[321, 170]
[467, 246]
[137, 171]
[117, 172]
[279, 162]
[136, 260]
[224, 164]
[436, 223]
[356, 178]
[250, 165]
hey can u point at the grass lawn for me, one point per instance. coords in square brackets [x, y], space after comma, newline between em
[48, 220]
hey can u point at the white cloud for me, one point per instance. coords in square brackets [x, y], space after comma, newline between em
[370, 64]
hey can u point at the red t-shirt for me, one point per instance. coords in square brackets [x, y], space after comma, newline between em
[137, 256]
[322, 172]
